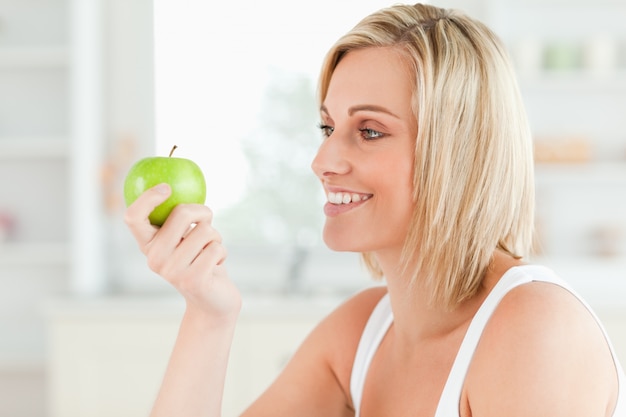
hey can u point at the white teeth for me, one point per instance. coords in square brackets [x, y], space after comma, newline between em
[346, 198]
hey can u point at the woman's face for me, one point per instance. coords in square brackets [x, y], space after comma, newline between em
[366, 160]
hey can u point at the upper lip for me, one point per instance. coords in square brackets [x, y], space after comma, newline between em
[335, 189]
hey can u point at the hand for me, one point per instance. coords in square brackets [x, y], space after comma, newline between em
[187, 251]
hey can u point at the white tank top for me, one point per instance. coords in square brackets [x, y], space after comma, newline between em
[449, 402]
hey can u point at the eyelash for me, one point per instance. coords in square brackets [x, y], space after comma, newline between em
[367, 133]
[373, 134]
[326, 130]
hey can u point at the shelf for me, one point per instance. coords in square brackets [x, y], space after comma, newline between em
[29, 148]
[574, 81]
[591, 174]
[543, 4]
[23, 364]
[33, 254]
[33, 57]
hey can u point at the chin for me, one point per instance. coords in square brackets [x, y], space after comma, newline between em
[341, 242]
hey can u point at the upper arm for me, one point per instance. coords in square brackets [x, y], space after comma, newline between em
[542, 354]
[316, 380]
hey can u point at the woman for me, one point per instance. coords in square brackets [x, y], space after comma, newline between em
[427, 165]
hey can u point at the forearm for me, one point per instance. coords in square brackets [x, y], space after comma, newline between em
[194, 380]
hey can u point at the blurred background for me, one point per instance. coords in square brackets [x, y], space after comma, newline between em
[89, 86]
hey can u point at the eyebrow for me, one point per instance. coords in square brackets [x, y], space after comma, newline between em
[364, 107]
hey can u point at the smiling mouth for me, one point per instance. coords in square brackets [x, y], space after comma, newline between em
[347, 198]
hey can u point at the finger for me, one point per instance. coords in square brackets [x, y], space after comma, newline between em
[162, 251]
[196, 241]
[176, 264]
[136, 216]
[181, 222]
[211, 257]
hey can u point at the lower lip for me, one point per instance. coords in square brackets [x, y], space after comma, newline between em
[332, 210]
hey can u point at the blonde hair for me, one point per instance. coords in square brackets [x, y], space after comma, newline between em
[473, 170]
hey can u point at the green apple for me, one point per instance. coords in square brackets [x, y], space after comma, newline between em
[183, 175]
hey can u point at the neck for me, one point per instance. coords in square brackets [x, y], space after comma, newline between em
[415, 318]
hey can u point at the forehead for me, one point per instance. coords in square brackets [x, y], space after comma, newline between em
[377, 76]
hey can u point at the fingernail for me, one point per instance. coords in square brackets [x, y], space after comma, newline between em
[162, 188]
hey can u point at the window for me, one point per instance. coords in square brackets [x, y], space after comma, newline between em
[235, 91]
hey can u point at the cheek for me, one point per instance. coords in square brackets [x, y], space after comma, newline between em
[396, 179]
[399, 199]
[397, 211]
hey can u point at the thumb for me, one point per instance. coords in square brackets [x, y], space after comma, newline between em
[162, 189]
[136, 216]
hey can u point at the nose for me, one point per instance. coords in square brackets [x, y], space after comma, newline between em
[332, 157]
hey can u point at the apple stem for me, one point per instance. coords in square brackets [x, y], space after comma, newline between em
[173, 149]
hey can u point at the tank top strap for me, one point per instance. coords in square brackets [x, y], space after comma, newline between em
[377, 326]
[450, 400]
[451, 396]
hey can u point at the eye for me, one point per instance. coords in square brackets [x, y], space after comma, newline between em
[371, 134]
[326, 129]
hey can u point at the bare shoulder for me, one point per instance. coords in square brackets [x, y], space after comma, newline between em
[344, 327]
[335, 340]
[542, 353]
[352, 315]
[316, 381]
